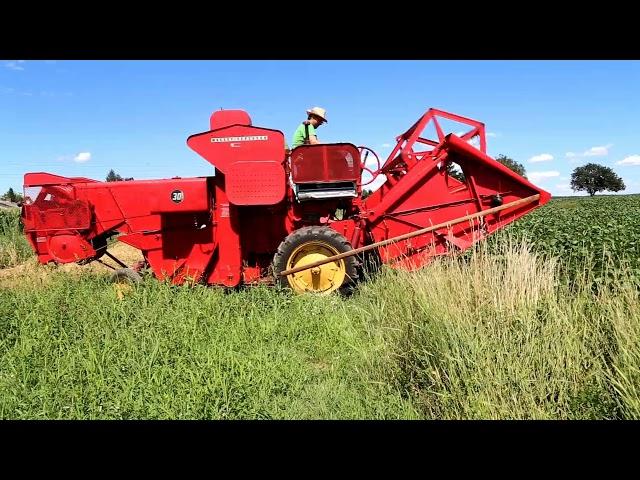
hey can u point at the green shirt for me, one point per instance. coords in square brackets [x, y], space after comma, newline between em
[298, 137]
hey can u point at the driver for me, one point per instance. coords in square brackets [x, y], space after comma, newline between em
[305, 134]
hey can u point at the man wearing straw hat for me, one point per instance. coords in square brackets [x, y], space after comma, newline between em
[306, 132]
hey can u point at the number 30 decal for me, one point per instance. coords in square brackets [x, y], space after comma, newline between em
[177, 196]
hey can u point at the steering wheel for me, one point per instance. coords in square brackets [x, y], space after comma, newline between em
[363, 166]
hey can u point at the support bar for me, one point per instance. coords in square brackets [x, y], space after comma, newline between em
[115, 259]
[523, 201]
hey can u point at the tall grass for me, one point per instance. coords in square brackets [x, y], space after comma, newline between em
[14, 247]
[489, 336]
[501, 336]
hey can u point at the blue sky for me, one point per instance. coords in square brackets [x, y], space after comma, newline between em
[82, 118]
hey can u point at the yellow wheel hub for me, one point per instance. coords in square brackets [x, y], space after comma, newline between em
[322, 279]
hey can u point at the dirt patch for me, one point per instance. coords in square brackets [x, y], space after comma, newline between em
[33, 273]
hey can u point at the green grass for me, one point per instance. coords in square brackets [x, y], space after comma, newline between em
[488, 337]
[14, 248]
[77, 351]
[500, 333]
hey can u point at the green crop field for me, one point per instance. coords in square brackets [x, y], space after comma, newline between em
[511, 330]
[596, 232]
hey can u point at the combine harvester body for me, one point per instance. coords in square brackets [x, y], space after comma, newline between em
[295, 218]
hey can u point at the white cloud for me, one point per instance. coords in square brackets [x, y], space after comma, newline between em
[631, 160]
[376, 184]
[372, 164]
[82, 157]
[487, 134]
[386, 145]
[541, 176]
[474, 142]
[543, 157]
[14, 65]
[599, 151]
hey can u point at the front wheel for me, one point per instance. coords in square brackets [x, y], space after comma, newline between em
[311, 244]
[126, 276]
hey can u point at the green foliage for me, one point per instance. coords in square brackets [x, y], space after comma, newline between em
[512, 164]
[593, 178]
[12, 196]
[454, 170]
[14, 247]
[75, 350]
[113, 177]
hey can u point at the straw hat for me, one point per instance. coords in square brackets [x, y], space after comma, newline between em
[320, 112]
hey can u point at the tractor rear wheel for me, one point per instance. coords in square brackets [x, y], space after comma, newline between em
[311, 244]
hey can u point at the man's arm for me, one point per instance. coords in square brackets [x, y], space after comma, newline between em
[313, 138]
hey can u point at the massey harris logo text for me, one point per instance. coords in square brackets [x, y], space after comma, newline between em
[239, 139]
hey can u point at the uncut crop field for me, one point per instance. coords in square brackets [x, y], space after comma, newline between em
[511, 330]
[593, 232]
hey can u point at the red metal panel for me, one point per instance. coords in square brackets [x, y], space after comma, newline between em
[325, 163]
[255, 183]
[184, 195]
[41, 178]
[226, 118]
[55, 208]
[456, 145]
[69, 248]
[138, 201]
[228, 264]
[238, 143]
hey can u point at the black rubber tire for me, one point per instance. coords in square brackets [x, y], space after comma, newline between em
[316, 233]
[126, 275]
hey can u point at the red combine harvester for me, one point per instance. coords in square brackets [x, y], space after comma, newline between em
[293, 218]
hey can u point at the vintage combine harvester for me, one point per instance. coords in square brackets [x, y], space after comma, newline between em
[292, 218]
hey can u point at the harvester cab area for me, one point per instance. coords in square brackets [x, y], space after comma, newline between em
[256, 162]
[324, 171]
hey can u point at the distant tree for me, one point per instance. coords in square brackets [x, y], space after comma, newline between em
[113, 177]
[454, 170]
[366, 193]
[512, 164]
[594, 178]
[12, 196]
